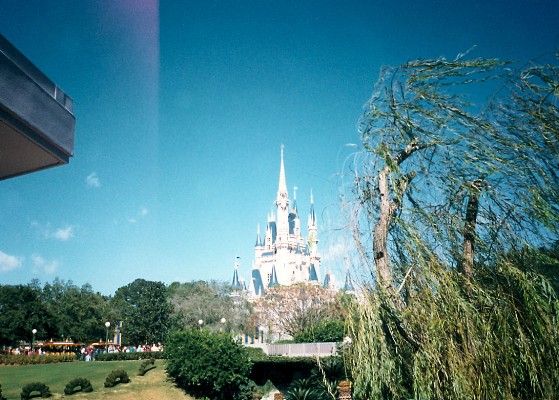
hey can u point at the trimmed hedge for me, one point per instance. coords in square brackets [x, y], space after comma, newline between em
[116, 377]
[83, 384]
[158, 355]
[144, 366]
[27, 390]
[21, 359]
[281, 370]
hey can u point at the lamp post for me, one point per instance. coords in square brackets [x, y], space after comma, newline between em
[261, 329]
[200, 323]
[107, 324]
[223, 321]
[33, 331]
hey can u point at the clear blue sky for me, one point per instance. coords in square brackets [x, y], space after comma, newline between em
[181, 109]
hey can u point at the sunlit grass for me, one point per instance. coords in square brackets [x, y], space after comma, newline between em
[153, 385]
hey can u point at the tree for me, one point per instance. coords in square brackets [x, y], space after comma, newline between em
[209, 365]
[444, 188]
[21, 311]
[210, 302]
[76, 313]
[290, 310]
[146, 311]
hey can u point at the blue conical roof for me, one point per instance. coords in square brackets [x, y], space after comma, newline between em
[313, 276]
[348, 285]
[274, 278]
[257, 282]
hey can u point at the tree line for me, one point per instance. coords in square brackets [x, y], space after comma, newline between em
[147, 311]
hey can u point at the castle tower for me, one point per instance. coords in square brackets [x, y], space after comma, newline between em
[284, 256]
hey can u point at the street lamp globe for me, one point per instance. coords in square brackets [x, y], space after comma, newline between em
[33, 331]
[107, 324]
[223, 320]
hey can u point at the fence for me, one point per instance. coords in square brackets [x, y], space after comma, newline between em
[300, 349]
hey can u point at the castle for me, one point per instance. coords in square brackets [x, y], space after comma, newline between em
[283, 257]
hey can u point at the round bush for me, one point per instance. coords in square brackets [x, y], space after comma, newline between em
[207, 364]
[78, 384]
[27, 390]
[116, 377]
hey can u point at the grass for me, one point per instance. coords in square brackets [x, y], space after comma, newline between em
[153, 385]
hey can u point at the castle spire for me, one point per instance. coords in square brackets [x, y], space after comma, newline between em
[312, 216]
[282, 187]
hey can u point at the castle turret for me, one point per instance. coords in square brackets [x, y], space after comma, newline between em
[282, 203]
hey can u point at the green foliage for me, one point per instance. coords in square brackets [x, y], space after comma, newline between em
[324, 331]
[146, 366]
[116, 377]
[209, 301]
[449, 344]
[281, 371]
[78, 384]
[28, 390]
[21, 311]
[207, 364]
[58, 310]
[543, 260]
[146, 311]
[322, 383]
[1, 397]
[20, 359]
[447, 192]
[299, 393]
[74, 312]
[129, 356]
[256, 353]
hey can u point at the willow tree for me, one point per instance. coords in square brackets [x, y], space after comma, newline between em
[460, 166]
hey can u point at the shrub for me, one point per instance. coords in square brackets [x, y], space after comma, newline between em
[324, 331]
[21, 359]
[82, 384]
[144, 366]
[116, 377]
[1, 397]
[129, 356]
[27, 390]
[206, 364]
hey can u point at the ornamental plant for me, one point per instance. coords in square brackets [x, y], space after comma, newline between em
[116, 377]
[206, 364]
[78, 384]
[27, 390]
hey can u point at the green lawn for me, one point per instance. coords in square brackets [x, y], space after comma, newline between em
[153, 385]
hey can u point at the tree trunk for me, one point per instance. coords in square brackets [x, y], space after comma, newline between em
[380, 234]
[468, 249]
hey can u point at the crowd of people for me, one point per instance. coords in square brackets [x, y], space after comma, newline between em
[87, 353]
[83, 352]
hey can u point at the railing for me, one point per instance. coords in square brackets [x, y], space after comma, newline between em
[300, 349]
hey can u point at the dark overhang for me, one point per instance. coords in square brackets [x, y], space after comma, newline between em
[36, 120]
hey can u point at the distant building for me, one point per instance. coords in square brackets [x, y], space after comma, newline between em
[282, 256]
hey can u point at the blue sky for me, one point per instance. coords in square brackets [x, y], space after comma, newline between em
[182, 107]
